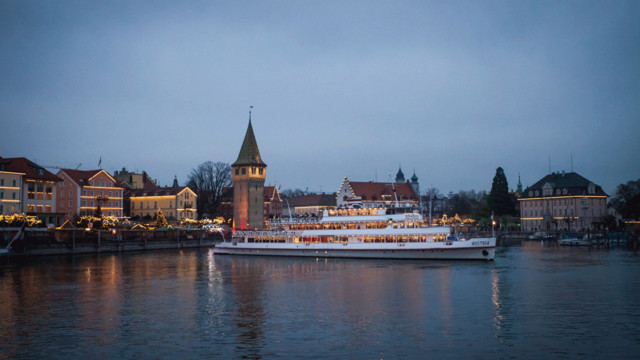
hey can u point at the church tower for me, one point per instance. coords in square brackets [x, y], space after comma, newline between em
[399, 176]
[248, 174]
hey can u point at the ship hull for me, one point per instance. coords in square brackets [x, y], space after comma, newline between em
[477, 249]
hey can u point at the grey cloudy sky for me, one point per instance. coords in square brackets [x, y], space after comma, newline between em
[452, 89]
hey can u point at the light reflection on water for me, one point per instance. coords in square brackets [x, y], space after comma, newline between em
[536, 300]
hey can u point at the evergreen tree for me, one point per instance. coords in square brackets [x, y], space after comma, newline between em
[500, 202]
[161, 221]
[627, 200]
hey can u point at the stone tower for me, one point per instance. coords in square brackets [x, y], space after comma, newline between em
[248, 174]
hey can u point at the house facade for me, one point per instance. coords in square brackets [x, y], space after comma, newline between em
[83, 192]
[10, 190]
[177, 203]
[28, 188]
[562, 202]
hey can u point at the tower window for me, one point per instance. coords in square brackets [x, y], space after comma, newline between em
[237, 171]
[253, 171]
[244, 171]
[261, 171]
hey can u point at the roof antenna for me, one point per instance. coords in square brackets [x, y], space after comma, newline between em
[549, 164]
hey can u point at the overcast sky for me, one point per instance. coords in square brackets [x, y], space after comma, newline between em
[452, 89]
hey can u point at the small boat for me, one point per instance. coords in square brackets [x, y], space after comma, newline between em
[575, 241]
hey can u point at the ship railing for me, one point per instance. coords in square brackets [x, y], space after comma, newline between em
[262, 233]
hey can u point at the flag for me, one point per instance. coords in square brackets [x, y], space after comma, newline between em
[100, 162]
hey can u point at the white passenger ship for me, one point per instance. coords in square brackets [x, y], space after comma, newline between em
[359, 233]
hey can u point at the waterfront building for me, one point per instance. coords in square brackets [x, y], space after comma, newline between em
[375, 194]
[28, 188]
[248, 174]
[177, 203]
[562, 202]
[310, 204]
[83, 192]
[10, 189]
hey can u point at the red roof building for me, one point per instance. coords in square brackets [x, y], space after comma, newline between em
[31, 188]
[83, 192]
[376, 195]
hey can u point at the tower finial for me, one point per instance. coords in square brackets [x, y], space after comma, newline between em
[250, 108]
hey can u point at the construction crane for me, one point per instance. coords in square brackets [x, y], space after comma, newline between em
[59, 167]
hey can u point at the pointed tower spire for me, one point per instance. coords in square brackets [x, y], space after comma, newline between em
[519, 188]
[249, 152]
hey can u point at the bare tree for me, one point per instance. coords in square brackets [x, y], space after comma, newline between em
[208, 181]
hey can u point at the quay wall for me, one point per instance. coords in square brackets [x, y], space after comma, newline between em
[38, 242]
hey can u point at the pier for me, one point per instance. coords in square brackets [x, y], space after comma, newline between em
[39, 241]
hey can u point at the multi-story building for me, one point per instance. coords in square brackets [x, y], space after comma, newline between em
[176, 203]
[83, 192]
[10, 189]
[28, 188]
[562, 202]
[376, 194]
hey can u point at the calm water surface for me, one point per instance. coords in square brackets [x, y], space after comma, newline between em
[535, 301]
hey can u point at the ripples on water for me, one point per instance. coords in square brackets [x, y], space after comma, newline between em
[535, 301]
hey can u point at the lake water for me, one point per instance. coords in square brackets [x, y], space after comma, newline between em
[535, 301]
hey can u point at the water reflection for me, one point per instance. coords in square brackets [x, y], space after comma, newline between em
[194, 304]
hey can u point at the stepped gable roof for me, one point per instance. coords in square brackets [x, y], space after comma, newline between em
[27, 167]
[573, 182]
[313, 200]
[373, 191]
[157, 191]
[249, 153]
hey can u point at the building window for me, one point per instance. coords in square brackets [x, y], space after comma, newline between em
[14, 183]
[261, 171]
[1, 182]
[84, 192]
[155, 204]
[244, 171]
[237, 171]
[253, 171]
[13, 196]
